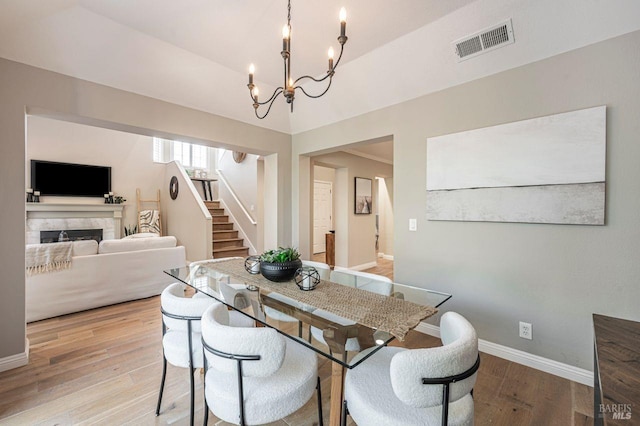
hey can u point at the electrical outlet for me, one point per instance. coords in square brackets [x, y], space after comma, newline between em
[525, 330]
[413, 224]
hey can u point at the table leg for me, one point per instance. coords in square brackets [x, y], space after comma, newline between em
[204, 189]
[337, 393]
[210, 192]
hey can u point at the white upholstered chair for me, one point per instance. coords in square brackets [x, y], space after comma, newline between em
[254, 375]
[410, 387]
[363, 280]
[181, 333]
[194, 270]
[239, 297]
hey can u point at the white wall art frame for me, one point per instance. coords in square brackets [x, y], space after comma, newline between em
[543, 170]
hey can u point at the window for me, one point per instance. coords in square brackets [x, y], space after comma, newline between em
[158, 146]
[189, 155]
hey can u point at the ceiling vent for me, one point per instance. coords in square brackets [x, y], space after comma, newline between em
[484, 41]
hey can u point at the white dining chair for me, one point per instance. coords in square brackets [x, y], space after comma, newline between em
[412, 387]
[181, 333]
[363, 280]
[239, 297]
[196, 264]
[253, 374]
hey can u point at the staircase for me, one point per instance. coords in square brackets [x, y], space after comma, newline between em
[225, 239]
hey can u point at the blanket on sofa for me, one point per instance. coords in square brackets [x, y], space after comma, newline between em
[40, 258]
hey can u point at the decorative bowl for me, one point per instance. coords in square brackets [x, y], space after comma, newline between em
[280, 271]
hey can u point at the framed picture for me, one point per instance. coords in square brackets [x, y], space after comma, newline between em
[363, 200]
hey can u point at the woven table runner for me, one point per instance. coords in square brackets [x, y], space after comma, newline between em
[395, 316]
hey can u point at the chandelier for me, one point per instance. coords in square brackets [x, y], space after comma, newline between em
[290, 85]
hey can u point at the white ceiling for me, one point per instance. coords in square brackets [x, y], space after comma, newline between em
[196, 52]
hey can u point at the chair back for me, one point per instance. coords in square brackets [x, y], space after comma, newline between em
[201, 276]
[363, 280]
[239, 297]
[459, 354]
[174, 302]
[323, 269]
[262, 341]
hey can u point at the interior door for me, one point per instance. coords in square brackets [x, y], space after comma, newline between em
[322, 220]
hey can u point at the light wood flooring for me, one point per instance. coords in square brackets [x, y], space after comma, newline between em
[103, 366]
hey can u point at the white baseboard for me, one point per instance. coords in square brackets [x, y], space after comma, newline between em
[550, 366]
[17, 360]
[385, 256]
[357, 267]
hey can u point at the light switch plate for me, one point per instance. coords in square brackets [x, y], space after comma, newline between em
[413, 224]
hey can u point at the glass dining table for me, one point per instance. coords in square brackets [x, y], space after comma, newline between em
[349, 321]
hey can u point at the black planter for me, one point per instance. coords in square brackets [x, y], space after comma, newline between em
[280, 271]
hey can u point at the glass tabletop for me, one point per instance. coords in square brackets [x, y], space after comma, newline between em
[335, 337]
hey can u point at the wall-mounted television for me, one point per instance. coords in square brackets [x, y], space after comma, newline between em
[67, 179]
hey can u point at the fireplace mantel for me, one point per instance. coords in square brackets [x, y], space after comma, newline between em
[62, 210]
[46, 216]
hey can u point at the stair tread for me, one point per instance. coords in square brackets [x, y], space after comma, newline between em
[224, 249]
[222, 240]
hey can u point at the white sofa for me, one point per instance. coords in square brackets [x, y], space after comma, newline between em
[112, 272]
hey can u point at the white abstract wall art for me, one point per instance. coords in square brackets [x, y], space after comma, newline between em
[543, 170]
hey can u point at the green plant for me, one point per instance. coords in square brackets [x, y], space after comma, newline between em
[282, 254]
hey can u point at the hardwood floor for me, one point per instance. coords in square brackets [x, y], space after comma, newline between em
[103, 367]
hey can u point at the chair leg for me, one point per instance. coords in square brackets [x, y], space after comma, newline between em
[204, 387]
[319, 394]
[191, 411]
[164, 375]
[345, 411]
[300, 329]
[206, 411]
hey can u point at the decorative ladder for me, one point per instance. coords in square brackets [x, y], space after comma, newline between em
[225, 239]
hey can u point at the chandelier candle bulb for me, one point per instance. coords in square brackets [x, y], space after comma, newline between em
[330, 58]
[343, 22]
[285, 38]
[252, 69]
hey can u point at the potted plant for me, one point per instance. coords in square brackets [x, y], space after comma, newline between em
[281, 264]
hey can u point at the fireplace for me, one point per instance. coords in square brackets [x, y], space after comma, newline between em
[52, 236]
[57, 216]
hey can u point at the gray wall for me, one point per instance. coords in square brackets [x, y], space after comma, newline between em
[36, 91]
[553, 276]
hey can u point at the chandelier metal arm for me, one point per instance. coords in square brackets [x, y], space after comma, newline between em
[273, 96]
[329, 74]
[316, 96]
[255, 107]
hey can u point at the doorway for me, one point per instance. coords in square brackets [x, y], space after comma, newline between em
[322, 214]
